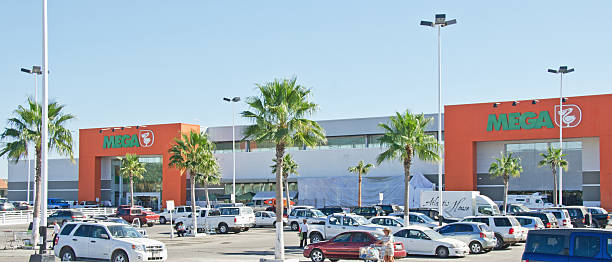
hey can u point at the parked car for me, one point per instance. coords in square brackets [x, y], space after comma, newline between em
[21, 205]
[514, 208]
[5, 205]
[57, 203]
[267, 218]
[87, 204]
[346, 246]
[578, 214]
[137, 215]
[388, 209]
[568, 245]
[63, 216]
[420, 240]
[119, 220]
[298, 215]
[106, 241]
[477, 236]
[433, 214]
[418, 219]
[178, 212]
[530, 223]
[340, 223]
[507, 229]
[368, 212]
[600, 216]
[562, 216]
[549, 220]
[332, 210]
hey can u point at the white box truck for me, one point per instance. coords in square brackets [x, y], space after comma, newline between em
[460, 204]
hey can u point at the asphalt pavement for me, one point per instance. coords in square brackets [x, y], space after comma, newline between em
[246, 246]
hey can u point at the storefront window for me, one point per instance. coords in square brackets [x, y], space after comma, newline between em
[345, 142]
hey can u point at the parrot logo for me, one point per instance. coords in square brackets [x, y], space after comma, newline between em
[569, 116]
[146, 138]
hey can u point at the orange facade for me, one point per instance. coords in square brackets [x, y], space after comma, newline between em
[465, 125]
[147, 140]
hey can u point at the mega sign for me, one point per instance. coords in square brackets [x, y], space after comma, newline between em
[145, 138]
[570, 116]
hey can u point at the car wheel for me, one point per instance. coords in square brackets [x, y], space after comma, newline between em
[499, 244]
[119, 256]
[295, 226]
[442, 252]
[315, 238]
[162, 220]
[245, 229]
[475, 247]
[223, 228]
[67, 254]
[317, 255]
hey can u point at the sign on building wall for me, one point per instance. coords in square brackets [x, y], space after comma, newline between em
[570, 116]
[144, 138]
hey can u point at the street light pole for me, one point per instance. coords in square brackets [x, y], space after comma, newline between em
[562, 70]
[45, 125]
[235, 99]
[35, 71]
[440, 22]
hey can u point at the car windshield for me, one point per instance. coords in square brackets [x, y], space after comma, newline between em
[522, 208]
[426, 218]
[120, 231]
[318, 213]
[119, 220]
[361, 220]
[433, 234]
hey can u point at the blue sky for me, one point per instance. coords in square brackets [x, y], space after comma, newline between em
[119, 63]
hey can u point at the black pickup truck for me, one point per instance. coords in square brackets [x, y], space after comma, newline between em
[600, 216]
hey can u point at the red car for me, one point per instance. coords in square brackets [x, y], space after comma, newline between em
[130, 214]
[346, 246]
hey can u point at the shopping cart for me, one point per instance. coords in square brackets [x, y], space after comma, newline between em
[372, 253]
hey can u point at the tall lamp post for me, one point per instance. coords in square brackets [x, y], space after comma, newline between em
[233, 101]
[44, 138]
[561, 71]
[35, 71]
[439, 22]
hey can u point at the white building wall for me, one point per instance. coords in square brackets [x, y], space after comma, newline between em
[315, 163]
[59, 170]
[590, 154]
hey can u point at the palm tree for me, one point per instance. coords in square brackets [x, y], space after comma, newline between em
[132, 168]
[405, 138]
[279, 114]
[506, 166]
[24, 128]
[289, 167]
[193, 154]
[360, 169]
[553, 158]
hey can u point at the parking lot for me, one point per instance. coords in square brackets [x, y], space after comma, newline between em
[246, 246]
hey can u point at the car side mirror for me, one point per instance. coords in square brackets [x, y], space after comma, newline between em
[104, 236]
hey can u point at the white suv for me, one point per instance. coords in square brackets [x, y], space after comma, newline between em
[507, 229]
[114, 241]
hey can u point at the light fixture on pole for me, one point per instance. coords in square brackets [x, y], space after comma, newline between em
[35, 71]
[561, 71]
[233, 100]
[439, 22]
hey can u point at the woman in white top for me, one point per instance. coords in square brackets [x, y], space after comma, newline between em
[387, 242]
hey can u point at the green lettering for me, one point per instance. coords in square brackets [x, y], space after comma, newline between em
[135, 142]
[127, 141]
[497, 123]
[513, 121]
[544, 120]
[109, 142]
[118, 142]
[525, 120]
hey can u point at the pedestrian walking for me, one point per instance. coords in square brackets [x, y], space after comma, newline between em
[56, 231]
[386, 242]
[304, 233]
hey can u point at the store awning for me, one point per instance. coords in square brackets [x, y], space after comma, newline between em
[265, 195]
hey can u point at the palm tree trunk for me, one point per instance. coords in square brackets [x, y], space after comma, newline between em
[131, 190]
[193, 204]
[36, 214]
[505, 194]
[207, 198]
[288, 198]
[555, 200]
[407, 163]
[359, 191]
[279, 247]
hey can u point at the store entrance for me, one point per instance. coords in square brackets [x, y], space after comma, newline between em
[150, 200]
[147, 188]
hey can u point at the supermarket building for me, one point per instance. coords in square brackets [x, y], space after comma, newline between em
[474, 134]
